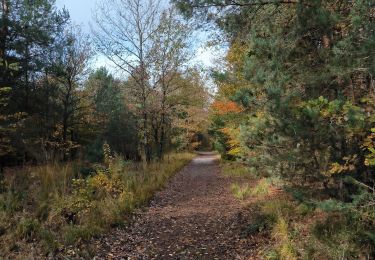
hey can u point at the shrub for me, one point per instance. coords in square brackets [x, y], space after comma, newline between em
[103, 185]
[70, 208]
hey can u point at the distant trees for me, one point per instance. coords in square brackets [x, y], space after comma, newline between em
[110, 117]
[52, 107]
[150, 45]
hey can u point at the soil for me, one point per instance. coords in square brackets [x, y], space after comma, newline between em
[195, 217]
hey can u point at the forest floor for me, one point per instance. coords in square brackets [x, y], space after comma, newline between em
[195, 217]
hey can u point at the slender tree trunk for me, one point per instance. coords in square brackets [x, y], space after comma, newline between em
[162, 137]
[162, 124]
[143, 131]
[144, 140]
[65, 121]
[4, 31]
[27, 86]
[66, 113]
[155, 128]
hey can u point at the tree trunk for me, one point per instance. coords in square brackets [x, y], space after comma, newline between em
[162, 137]
[144, 141]
[162, 124]
[4, 30]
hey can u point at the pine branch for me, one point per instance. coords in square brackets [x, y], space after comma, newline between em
[253, 3]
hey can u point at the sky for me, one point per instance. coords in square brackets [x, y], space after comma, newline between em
[81, 14]
[80, 11]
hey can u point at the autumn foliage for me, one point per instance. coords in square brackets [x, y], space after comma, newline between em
[225, 107]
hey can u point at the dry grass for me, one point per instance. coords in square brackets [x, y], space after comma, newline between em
[51, 206]
[240, 191]
[262, 188]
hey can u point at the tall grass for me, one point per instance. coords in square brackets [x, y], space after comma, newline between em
[55, 178]
[55, 204]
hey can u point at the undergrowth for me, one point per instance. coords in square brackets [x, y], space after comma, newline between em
[300, 227]
[237, 170]
[57, 205]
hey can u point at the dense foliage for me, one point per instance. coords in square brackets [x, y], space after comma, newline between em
[296, 99]
[53, 107]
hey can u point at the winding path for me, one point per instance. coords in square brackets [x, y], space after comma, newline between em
[195, 217]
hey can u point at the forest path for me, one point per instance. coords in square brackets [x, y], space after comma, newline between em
[195, 217]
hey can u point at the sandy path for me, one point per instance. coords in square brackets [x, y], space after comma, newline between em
[195, 217]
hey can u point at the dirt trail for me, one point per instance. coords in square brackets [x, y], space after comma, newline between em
[195, 217]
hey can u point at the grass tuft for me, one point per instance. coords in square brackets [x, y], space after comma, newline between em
[240, 191]
[73, 233]
[28, 229]
[262, 189]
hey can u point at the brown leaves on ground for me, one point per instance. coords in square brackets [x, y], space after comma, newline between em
[195, 217]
